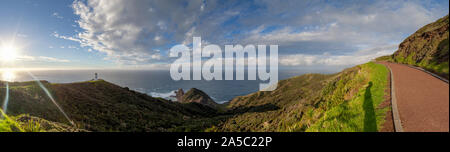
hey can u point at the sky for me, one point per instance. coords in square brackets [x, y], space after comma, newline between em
[124, 34]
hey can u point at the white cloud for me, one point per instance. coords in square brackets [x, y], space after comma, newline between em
[51, 59]
[129, 31]
[156, 66]
[73, 47]
[359, 57]
[351, 27]
[22, 35]
[156, 56]
[56, 14]
[298, 59]
[55, 34]
[26, 58]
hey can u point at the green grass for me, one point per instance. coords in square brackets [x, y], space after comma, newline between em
[27, 123]
[348, 101]
[103, 106]
[437, 68]
[8, 125]
[277, 111]
[384, 58]
[440, 68]
[360, 113]
[5, 126]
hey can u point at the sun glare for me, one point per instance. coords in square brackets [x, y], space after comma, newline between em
[8, 53]
[8, 75]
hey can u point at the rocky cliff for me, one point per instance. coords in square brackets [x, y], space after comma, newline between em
[427, 48]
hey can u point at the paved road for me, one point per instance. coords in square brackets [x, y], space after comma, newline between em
[423, 100]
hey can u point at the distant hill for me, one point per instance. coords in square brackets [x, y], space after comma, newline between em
[427, 48]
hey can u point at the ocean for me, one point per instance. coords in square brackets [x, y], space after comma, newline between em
[159, 83]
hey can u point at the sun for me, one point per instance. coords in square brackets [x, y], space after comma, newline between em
[8, 53]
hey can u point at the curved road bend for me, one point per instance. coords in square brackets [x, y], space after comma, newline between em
[422, 100]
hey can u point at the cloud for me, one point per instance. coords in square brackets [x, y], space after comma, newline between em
[73, 47]
[356, 58]
[130, 31]
[156, 66]
[343, 28]
[56, 14]
[55, 34]
[22, 35]
[26, 58]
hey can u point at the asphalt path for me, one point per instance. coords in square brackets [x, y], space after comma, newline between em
[422, 99]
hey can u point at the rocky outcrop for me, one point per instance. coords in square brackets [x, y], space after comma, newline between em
[424, 45]
[179, 95]
[196, 96]
[427, 48]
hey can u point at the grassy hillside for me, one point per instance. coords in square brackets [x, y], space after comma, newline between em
[427, 48]
[347, 101]
[277, 110]
[26, 123]
[353, 102]
[103, 106]
[8, 125]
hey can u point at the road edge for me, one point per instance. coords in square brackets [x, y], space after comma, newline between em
[421, 69]
[396, 115]
[426, 71]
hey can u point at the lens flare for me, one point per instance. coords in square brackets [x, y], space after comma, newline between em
[5, 102]
[51, 97]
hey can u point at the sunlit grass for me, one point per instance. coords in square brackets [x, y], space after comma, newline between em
[360, 113]
[7, 124]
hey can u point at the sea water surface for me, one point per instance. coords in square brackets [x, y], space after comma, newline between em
[160, 84]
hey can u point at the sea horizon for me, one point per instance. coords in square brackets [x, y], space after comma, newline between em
[157, 83]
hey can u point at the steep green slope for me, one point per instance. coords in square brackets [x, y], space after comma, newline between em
[427, 48]
[26, 123]
[8, 125]
[347, 101]
[353, 102]
[103, 106]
